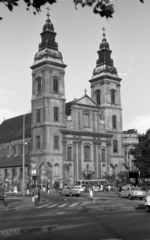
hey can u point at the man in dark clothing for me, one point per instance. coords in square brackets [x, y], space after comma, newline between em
[2, 194]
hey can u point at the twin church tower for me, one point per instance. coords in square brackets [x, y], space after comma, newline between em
[87, 132]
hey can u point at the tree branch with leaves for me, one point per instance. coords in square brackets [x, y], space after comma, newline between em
[102, 7]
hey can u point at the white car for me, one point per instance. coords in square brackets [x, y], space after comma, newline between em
[79, 188]
[132, 192]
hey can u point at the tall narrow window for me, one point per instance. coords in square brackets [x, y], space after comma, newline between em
[6, 172]
[113, 96]
[69, 153]
[21, 170]
[87, 153]
[39, 85]
[38, 115]
[56, 142]
[56, 170]
[55, 85]
[98, 100]
[38, 144]
[20, 149]
[13, 172]
[103, 155]
[56, 114]
[116, 168]
[86, 121]
[114, 121]
[115, 146]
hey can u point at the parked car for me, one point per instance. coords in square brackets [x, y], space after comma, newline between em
[147, 201]
[70, 192]
[132, 192]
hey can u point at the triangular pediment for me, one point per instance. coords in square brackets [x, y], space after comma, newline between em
[86, 100]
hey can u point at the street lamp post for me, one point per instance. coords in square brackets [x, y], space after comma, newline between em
[23, 157]
[23, 162]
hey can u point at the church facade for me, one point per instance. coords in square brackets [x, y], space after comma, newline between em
[68, 138]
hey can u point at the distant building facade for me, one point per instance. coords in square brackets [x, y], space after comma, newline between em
[65, 138]
[130, 140]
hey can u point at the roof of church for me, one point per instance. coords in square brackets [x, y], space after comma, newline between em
[13, 161]
[12, 128]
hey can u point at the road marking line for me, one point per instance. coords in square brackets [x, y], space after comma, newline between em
[83, 204]
[45, 205]
[72, 205]
[54, 205]
[63, 205]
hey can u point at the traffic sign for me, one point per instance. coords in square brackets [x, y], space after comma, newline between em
[33, 171]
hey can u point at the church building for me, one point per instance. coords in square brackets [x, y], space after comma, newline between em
[66, 138]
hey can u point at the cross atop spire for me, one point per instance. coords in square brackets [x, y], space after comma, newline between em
[104, 31]
[85, 91]
[48, 9]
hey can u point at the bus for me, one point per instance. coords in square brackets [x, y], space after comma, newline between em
[91, 182]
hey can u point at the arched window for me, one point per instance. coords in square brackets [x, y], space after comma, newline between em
[70, 169]
[20, 149]
[56, 142]
[56, 114]
[104, 170]
[113, 96]
[103, 155]
[98, 95]
[56, 170]
[13, 150]
[116, 168]
[87, 154]
[115, 146]
[28, 148]
[38, 115]
[86, 121]
[55, 85]
[114, 121]
[38, 144]
[69, 153]
[39, 86]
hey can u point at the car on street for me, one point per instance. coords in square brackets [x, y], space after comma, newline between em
[70, 192]
[132, 192]
[79, 188]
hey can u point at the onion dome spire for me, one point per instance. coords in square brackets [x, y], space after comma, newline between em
[104, 43]
[48, 35]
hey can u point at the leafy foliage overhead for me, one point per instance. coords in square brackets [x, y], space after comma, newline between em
[102, 7]
[141, 154]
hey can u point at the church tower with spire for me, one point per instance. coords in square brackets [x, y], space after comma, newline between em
[48, 104]
[105, 92]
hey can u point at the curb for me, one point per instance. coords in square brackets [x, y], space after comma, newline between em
[94, 210]
[17, 231]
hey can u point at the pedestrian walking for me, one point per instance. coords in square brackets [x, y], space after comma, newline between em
[44, 192]
[39, 193]
[15, 190]
[36, 195]
[2, 194]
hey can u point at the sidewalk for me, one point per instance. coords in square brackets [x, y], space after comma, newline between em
[14, 203]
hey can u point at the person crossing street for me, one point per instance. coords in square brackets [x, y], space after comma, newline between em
[2, 194]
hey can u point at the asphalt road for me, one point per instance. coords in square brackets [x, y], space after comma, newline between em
[130, 225]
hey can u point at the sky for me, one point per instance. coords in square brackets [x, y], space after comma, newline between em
[79, 34]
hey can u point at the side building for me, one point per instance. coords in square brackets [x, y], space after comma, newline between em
[66, 138]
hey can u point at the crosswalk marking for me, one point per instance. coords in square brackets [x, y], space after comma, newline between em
[72, 205]
[63, 205]
[51, 206]
[45, 205]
